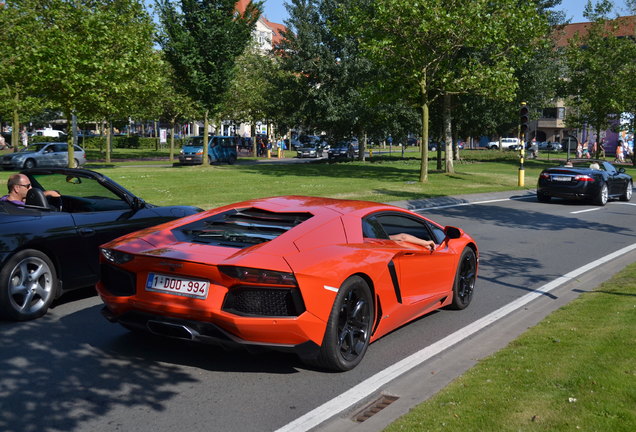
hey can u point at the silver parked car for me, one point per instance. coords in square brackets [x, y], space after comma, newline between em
[43, 155]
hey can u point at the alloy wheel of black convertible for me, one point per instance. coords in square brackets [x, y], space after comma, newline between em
[28, 285]
[627, 196]
[602, 196]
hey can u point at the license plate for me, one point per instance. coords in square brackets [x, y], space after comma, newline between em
[188, 158]
[177, 286]
[556, 178]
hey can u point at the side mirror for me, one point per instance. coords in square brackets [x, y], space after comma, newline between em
[621, 170]
[138, 203]
[452, 232]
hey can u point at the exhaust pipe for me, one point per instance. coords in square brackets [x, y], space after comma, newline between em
[177, 331]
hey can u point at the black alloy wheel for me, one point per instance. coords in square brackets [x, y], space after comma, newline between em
[349, 327]
[465, 279]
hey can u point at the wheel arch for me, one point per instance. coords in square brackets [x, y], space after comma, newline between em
[377, 310]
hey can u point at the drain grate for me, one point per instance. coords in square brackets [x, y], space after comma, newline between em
[374, 407]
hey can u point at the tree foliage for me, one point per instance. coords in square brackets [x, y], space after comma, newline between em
[81, 56]
[326, 77]
[601, 71]
[439, 46]
[202, 39]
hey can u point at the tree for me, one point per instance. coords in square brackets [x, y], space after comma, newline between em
[87, 57]
[326, 80]
[252, 89]
[601, 83]
[202, 39]
[435, 47]
[18, 94]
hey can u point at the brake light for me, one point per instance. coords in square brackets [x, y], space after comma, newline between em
[248, 275]
[585, 178]
[544, 175]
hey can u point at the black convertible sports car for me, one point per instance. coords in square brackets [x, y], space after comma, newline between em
[50, 245]
[595, 180]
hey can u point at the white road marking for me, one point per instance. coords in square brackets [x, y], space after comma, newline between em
[585, 211]
[374, 383]
[472, 203]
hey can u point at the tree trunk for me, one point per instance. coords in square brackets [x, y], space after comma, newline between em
[15, 132]
[172, 140]
[362, 147]
[69, 140]
[448, 134]
[109, 140]
[206, 125]
[254, 145]
[424, 107]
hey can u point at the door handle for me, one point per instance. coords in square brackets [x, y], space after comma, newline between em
[86, 232]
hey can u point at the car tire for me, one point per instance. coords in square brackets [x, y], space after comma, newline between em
[602, 196]
[627, 196]
[465, 279]
[349, 327]
[543, 198]
[76, 164]
[28, 285]
[29, 163]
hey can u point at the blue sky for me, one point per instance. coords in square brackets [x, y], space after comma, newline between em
[275, 10]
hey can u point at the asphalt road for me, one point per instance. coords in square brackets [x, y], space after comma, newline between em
[74, 371]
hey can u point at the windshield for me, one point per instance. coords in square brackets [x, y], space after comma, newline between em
[34, 147]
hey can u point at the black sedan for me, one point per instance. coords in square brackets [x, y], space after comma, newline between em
[347, 150]
[594, 180]
[50, 245]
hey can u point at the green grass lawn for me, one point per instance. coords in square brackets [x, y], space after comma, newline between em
[576, 370]
[383, 178]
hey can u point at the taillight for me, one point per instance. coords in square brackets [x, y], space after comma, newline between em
[544, 176]
[585, 178]
[248, 275]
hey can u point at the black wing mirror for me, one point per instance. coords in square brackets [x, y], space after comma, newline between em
[452, 232]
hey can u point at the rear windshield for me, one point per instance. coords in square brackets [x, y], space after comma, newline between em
[240, 228]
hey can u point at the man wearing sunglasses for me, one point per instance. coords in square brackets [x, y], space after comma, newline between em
[18, 185]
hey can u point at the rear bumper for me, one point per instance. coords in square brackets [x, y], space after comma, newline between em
[200, 332]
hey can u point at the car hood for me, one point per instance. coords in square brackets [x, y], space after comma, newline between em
[192, 148]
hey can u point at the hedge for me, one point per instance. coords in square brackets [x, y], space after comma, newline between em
[99, 142]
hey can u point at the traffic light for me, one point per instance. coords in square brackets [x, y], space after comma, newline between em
[523, 118]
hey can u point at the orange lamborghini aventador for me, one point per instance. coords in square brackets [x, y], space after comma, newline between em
[320, 277]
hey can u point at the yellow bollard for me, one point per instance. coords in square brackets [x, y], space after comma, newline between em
[269, 154]
[370, 153]
[279, 152]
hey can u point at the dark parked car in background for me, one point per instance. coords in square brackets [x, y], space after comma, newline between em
[344, 150]
[50, 245]
[590, 179]
[43, 155]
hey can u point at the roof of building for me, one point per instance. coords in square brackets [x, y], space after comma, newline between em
[626, 26]
[276, 28]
